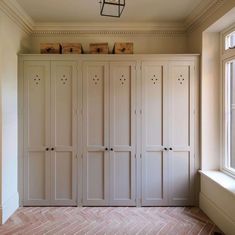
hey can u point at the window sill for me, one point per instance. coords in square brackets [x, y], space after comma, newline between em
[221, 179]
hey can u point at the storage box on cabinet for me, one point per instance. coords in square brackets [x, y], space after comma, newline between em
[99, 48]
[71, 48]
[50, 48]
[123, 48]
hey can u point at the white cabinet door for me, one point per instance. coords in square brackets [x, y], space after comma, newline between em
[154, 134]
[63, 133]
[36, 133]
[122, 133]
[181, 133]
[95, 134]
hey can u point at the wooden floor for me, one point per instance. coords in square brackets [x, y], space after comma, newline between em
[120, 220]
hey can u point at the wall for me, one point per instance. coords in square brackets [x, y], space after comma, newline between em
[210, 102]
[214, 200]
[194, 36]
[143, 44]
[12, 40]
[217, 200]
[205, 40]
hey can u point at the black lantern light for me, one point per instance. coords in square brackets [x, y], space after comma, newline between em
[112, 8]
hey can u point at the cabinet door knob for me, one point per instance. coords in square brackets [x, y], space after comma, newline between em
[111, 149]
[165, 149]
[52, 149]
[47, 149]
[171, 149]
[106, 149]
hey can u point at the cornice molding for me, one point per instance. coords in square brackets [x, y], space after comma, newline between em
[202, 12]
[196, 18]
[164, 29]
[16, 13]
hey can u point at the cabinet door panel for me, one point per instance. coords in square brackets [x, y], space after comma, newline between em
[63, 176]
[96, 106]
[122, 133]
[181, 124]
[153, 184]
[63, 132]
[36, 133]
[95, 134]
[154, 134]
[37, 176]
[95, 180]
[180, 164]
[180, 103]
[122, 176]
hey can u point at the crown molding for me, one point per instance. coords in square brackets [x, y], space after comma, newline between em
[202, 12]
[196, 18]
[164, 29]
[16, 13]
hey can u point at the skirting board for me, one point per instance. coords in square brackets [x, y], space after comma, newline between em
[217, 215]
[9, 207]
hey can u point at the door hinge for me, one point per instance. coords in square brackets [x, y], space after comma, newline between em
[141, 112]
[135, 111]
[135, 156]
[140, 156]
[76, 156]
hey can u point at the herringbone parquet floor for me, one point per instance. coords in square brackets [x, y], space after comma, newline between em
[111, 220]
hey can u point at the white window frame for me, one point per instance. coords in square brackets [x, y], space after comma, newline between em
[226, 56]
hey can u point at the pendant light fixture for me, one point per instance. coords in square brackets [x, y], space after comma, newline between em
[112, 8]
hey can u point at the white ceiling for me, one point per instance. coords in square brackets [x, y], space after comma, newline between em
[88, 10]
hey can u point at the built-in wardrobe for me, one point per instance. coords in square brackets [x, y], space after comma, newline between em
[107, 130]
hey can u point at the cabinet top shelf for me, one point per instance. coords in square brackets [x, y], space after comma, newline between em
[109, 57]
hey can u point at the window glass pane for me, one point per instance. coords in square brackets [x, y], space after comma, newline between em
[230, 41]
[231, 118]
[232, 158]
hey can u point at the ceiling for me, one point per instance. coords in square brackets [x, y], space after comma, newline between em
[88, 10]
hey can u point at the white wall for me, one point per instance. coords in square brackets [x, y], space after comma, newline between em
[210, 101]
[214, 200]
[206, 42]
[12, 39]
[143, 44]
[217, 201]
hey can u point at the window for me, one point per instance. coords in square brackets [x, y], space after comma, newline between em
[230, 41]
[229, 102]
[230, 115]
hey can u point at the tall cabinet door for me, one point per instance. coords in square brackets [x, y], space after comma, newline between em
[154, 134]
[36, 133]
[95, 134]
[122, 133]
[63, 133]
[181, 133]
